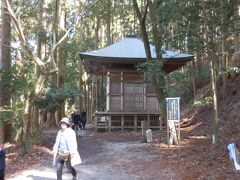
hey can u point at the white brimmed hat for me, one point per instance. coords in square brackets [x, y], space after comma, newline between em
[65, 120]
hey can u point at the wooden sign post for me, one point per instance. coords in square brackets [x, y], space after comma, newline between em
[173, 121]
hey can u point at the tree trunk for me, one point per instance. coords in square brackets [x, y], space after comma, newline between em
[194, 79]
[210, 31]
[98, 22]
[215, 102]
[51, 119]
[109, 15]
[224, 74]
[61, 60]
[173, 139]
[46, 67]
[41, 49]
[236, 28]
[236, 41]
[157, 82]
[51, 116]
[5, 64]
[27, 134]
[222, 63]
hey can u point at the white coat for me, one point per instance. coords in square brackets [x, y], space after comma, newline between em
[72, 146]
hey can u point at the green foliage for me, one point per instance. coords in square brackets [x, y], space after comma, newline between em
[17, 80]
[204, 75]
[52, 98]
[203, 101]
[28, 16]
[179, 84]
[185, 29]
[6, 114]
[151, 69]
[5, 78]
[17, 114]
[14, 115]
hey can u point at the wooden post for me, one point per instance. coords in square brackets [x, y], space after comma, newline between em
[144, 137]
[148, 121]
[122, 91]
[122, 122]
[110, 123]
[107, 122]
[179, 139]
[144, 98]
[108, 92]
[160, 123]
[95, 121]
[135, 122]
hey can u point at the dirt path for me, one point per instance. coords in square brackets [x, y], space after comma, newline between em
[117, 155]
[121, 155]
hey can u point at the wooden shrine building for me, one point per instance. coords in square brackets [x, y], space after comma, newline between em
[128, 100]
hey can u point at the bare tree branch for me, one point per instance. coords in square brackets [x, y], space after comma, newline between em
[84, 12]
[27, 47]
[15, 20]
[21, 35]
[62, 39]
[145, 13]
[85, 9]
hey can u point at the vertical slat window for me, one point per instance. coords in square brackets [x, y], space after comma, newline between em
[133, 97]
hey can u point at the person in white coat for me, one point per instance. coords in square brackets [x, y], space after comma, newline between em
[65, 149]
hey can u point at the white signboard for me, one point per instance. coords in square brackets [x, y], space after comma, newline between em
[173, 109]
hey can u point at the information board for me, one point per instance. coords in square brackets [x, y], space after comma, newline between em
[173, 109]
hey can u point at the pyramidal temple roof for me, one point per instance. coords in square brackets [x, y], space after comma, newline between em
[131, 50]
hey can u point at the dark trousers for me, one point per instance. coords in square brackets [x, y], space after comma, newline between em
[1, 175]
[60, 164]
[2, 163]
[83, 124]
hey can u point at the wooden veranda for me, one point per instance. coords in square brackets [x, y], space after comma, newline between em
[126, 120]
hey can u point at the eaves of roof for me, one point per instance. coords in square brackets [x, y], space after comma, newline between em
[130, 50]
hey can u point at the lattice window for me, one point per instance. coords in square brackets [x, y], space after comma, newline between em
[115, 103]
[133, 97]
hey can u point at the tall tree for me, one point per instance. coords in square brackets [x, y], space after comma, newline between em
[44, 69]
[209, 29]
[157, 79]
[41, 50]
[5, 65]
[109, 15]
[62, 56]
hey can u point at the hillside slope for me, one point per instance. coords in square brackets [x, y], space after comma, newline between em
[229, 112]
[197, 125]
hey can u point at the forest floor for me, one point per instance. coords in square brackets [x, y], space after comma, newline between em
[121, 155]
